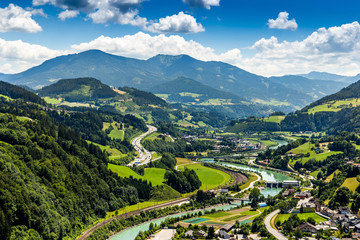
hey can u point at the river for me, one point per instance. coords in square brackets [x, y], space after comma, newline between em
[131, 233]
[267, 175]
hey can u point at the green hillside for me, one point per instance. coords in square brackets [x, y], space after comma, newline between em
[53, 184]
[14, 92]
[77, 90]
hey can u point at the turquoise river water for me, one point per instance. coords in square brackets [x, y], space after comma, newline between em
[267, 175]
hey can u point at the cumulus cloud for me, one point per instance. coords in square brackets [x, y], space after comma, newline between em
[142, 45]
[207, 4]
[18, 56]
[283, 22]
[68, 14]
[335, 48]
[177, 23]
[15, 18]
[125, 12]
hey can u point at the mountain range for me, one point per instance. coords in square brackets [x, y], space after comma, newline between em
[287, 93]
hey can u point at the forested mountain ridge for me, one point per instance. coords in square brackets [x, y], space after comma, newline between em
[16, 92]
[146, 74]
[52, 182]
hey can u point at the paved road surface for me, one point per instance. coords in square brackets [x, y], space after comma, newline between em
[145, 155]
[251, 184]
[271, 230]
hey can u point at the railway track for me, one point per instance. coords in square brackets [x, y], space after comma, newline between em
[89, 231]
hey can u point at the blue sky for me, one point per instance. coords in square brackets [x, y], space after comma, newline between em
[261, 36]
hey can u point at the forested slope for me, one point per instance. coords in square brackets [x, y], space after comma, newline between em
[52, 183]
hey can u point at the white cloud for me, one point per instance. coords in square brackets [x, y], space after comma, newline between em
[125, 12]
[283, 22]
[68, 14]
[15, 18]
[116, 16]
[202, 3]
[177, 23]
[18, 55]
[335, 49]
[142, 45]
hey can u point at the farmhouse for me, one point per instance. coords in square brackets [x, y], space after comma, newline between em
[308, 227]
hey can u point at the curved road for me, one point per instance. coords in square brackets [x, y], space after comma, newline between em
[250, 186]
[145, 155]
[278, 235]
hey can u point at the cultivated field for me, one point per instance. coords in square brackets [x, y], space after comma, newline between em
[306, 148]
[210, 178]
[276, 119]
[154, 175]
[351, 183]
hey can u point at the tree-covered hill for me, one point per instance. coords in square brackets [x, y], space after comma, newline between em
[16, 92]
[78, 89]
[52, 182]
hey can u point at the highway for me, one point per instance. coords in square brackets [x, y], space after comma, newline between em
[278, 235]
[144, 154]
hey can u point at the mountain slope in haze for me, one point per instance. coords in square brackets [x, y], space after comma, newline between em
[195, 95]
[312, 87]
[112, 70]
[3, 76]
[144, 75]
[228, 78]
[188, 90]
[330, 76]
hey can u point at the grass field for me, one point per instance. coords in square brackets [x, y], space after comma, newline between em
[269, 143]
[52, 100]
[154, 175]
[180, 161]
[351, 183]
[189, 94]
[306, 148]
[335, 106]
[117, 134]
[209, 177]
[114, 153]
[275, 119]
[331, 176]
[302, 216]
[315, 173]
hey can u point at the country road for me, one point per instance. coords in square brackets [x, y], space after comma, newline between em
[144, 154]
[278, 235]
[250, 186]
